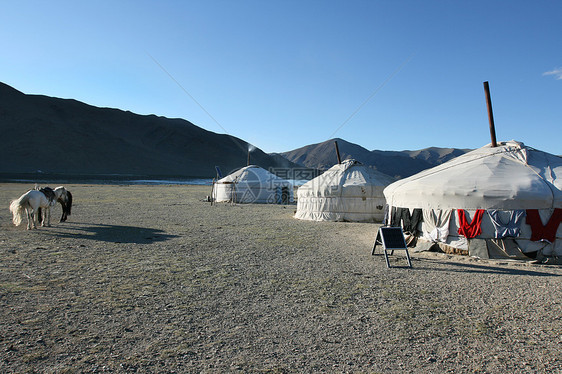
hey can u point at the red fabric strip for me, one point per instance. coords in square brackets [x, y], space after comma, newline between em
[470, 229]
[546, 232]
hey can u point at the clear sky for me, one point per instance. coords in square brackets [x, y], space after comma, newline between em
[388, 75]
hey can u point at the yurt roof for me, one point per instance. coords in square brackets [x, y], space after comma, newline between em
[249, 173]
[509, 176]
[349, 172]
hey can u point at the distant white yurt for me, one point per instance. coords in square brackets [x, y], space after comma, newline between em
[253, 184]
[493, 202]
[349, 191]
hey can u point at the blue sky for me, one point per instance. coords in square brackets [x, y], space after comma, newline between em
[388, 75]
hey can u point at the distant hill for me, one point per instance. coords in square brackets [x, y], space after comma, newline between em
[44, 135]
[397, 164]
[68, 137]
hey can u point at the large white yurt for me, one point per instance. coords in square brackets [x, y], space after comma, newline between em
[349, 191]
[493, 202]
[253, 184]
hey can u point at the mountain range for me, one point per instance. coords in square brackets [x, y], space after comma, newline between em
[53, 136]
[397, 164]
[42, 134]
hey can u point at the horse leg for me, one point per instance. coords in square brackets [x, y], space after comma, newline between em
[64, 213]
[63, 217]
[30, 219]
[44, 216]
[28, 216]
[48, 216]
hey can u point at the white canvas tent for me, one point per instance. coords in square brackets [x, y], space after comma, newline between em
[349, 191]
[253, 184]
[507, 178]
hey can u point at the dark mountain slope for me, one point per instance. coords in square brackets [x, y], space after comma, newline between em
[65, 136]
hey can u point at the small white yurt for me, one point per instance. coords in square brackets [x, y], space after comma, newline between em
[493, 202]
[253, 184]
[349, 191]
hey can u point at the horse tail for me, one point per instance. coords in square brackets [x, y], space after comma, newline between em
[69, 203]
[17, 207]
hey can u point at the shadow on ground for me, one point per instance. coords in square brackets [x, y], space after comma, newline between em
[114, 233]
[484, 269]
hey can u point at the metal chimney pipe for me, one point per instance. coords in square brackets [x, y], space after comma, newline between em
[490, 114]
[337, 151]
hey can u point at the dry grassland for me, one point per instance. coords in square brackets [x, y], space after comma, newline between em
[153, 279]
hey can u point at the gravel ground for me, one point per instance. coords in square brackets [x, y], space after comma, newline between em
[152, 279]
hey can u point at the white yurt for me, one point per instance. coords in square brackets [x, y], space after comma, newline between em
[493, 202]
[253, 184]
[349, 191]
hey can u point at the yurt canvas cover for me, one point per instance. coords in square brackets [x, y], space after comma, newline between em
[510, 183]
[349, 191]
[253, 184]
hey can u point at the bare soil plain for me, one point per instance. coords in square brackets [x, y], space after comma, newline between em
[152, 279]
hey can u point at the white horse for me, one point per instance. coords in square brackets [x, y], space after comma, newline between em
[31, 202]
